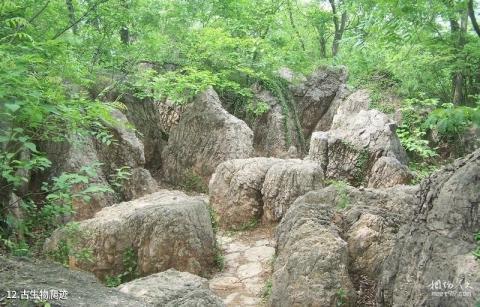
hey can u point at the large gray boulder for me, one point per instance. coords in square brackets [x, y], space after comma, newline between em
[402, 246]
[311, 267]
[72, 157]
[126, 150]
[355, 143]
[284, 182]
[82, 289]
[431, 263]
[167, 229]
[332, 243]
[351, 105]
[205, 136]
[314, 96]
[244, 190]
[276, 130]
[172, 288]
[154, 120]
[388, 172]
[80, 152]
[236, 190]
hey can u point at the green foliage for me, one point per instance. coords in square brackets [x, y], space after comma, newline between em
[343, 199]
[476, 252]
[267, 290]
[341, 298]
[113, 281]
[361, 166]
[219, 259]
[425, 118]
[247, 226]
[411, 132]
[451, 121]
[70, 246]
[193, 182]
[130, 269]
[38, 220]
[121, 175]
[421, 170]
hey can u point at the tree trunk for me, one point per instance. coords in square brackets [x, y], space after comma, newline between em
[471, 13]
[323, 47]
[458, 80]
[71, 16]
[292, 23]
[125, 35]
[339, 26]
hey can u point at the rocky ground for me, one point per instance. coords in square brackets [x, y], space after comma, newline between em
[248, 259]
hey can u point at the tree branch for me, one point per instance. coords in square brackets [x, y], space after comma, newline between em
[88, 11]
[39, 12]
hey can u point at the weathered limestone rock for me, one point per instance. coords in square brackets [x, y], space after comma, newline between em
[286, 181]
[243, 190]
[405, 245]
[87, 152]
[336, 227]
[369, 222]
[139, 184]
[236, 190]
[353, 146]
[388, 172]
[83, 289]
[126, 151]
[155, 120]
[353, 104]
[205, 136]
[277, 129]
[173, 289]
[434, 250]
[72, 157]
[312, 260]
[167, 229]
[314, 97]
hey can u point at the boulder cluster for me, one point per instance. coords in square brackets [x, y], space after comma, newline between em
[328, 173]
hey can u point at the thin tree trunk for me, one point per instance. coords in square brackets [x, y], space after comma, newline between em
[292, 22]
[71, 16]
[125, 31]
[458, 81]
[323, 47]
[339, 26]
[125, 35]
[471, 13]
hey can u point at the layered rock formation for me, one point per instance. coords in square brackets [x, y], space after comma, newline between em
[205, 136]
[70, 288]
[155, 120]
[172, 288]
[401, 246]
[331, 238]
[314, 97]
[243, 190]
[432, 255]
[103, 159]
[167, 229]
[278, 129]
[353, 146]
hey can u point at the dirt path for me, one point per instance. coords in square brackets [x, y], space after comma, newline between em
[248, 256]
